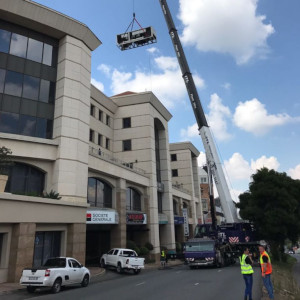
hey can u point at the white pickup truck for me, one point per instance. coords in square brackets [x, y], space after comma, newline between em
[123, 259]
[56, 272]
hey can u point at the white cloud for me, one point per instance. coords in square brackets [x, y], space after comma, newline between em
[166, 83]
[201, 159]
[99, 85]
[228, 26]
[253, 117]
[152, 50]
[217, 118]
[265, 162]
[294, 173]
[226, 86]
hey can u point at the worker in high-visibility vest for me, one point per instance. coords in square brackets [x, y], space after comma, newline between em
[266, 270]
[247, 271]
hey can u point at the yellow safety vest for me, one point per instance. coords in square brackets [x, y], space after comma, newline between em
[245, 268]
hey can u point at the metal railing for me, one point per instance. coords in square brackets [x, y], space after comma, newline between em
[99, 153]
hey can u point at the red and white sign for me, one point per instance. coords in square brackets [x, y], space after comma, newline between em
[101, 217]
[233, 239]
[136, 219]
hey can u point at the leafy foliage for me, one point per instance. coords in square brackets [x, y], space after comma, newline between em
[5, 160]
[273, 205]
[52, 195]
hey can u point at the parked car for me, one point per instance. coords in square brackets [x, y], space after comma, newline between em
[122, 259]
[291, 252]
[55, 273]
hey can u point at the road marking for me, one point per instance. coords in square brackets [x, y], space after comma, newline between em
[140, 283]
[219, 271]
[196, 283]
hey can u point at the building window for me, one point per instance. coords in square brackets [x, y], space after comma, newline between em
[185, 206]
[174, 173]
[1, 245]
[133, 200]
[175, 207]
[107, 120]
[173, 157]
[99, 193]
[203, 180]
[92, 135]
[99, 139]
[92, 110]
[127, 145]
[202, 190]
[46, 244]
[25, 180]
[100, 115]
[126, 122]
[159, 202]
[107, 143]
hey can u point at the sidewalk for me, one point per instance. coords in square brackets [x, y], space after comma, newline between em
[6, 288]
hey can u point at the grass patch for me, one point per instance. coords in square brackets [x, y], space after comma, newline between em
[286, 288]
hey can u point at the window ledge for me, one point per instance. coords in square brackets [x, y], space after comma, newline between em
[25, 138]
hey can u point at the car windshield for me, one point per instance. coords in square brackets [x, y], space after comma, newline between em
[55, 262]
[199, 247]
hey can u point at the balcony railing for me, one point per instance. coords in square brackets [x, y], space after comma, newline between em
[109, 158]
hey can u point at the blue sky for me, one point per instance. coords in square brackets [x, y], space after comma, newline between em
[244, 55]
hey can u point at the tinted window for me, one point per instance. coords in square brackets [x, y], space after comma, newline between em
[18, 45]
[13, 83]
[44, 90]
[25, 180]
[31, 87]
[75, 263]
[4, 40]
[99, 193]
[56, 262]
[35, 50]
[44, 128]
[2, 78]
[47, 54]
[173, 157]
[127, 145]
[133, 200]
[126, 122]
[174, 173]
[116, 252]
[27, 125]
[9, 122]
[110, 252]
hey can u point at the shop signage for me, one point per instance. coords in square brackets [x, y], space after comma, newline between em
[136, 219]
[178, 220]
[101, 217]
[186, 222]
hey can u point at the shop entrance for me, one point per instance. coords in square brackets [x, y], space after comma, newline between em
[97, 243]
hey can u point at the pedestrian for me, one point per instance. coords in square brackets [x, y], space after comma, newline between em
[266, 270]
[163, 258]
[247, 271]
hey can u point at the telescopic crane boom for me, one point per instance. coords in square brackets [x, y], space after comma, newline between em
[212, 157]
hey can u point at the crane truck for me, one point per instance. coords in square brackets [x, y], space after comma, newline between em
[212, 244]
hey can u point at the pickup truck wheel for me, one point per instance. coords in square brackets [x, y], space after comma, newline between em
[119, 268]
[31, 289]
[102, 264]
[136, 271]
[85, 281]
[56, 287]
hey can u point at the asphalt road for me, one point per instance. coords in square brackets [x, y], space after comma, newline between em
[172, 283]
[297, 268]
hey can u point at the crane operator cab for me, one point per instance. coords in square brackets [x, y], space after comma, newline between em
[136, 38]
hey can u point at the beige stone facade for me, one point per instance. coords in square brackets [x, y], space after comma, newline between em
[108, 158]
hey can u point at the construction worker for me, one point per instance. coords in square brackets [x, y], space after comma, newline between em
[163, 258]
[247, 271]
[266, 270]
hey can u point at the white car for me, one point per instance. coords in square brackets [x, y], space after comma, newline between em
[56, 272]
[123, 259]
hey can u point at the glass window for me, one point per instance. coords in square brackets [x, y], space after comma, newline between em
[4, 40]
[47, 55]
[2, 79]
[127, 145]
[159, 202]
[75, 263]
[35, 50]
[99, 139]
[173, 157]
[18, 45]
[133, 200]
[92, 135]
[27, 125]
[31, 87]
[107, 143]
[13, 83]
[107, 120]
[25, 180]
[126, 122]
[43, 128]
[174, 173]
[175, 207]
[99, 193]
[9, 122]
[100, 115]
[44, 90]
[92, 110]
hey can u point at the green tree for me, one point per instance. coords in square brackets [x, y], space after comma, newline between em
[273, 205]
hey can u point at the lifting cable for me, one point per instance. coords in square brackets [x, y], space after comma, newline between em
[133, 20]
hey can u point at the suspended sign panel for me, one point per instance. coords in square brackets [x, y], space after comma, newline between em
[137, 38]
[186, 222]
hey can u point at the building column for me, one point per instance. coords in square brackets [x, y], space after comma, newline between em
[21, 250]
[76, 240]
[118, 232]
